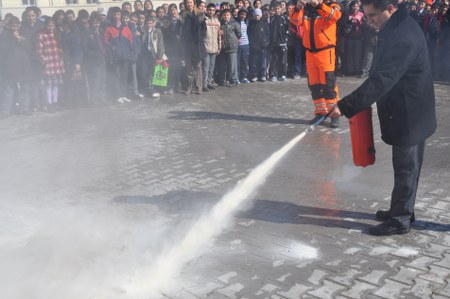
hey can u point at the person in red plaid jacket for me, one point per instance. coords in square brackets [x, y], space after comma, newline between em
[50, 55]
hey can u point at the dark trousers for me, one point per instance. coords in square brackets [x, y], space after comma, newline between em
[278, 61]
[148, 68]
[258, 63]
[295, 58]
[242, 61]
[194, 74]
[353, 56]
[96, 74]
[407, 163]
[15, 92]
[118, 79]
[227, 68]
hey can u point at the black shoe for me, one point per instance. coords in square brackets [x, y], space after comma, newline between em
[211, 87]
[388, 228]
[205, 89]
[315, 119]
[334, 123]
[384, 215]
[234, 84]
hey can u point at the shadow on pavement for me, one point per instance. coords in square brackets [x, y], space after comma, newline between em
[286, 212]
[188, 205]
[199, 115]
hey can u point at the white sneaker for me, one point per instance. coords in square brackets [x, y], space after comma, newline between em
[120, 100]
[125, 99]
[155, 95]
[254, 79]
[140, 96]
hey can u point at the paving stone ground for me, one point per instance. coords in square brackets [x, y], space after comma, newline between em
[90, 198]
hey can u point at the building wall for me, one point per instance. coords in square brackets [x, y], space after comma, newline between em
[48, 7]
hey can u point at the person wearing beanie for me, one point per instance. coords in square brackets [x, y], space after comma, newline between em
[258, 35]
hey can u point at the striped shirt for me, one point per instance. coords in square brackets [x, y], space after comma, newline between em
[244, 38]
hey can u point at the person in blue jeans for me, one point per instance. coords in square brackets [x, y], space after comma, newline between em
[244, 46]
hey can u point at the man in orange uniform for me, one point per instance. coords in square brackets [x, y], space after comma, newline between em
[319, 39]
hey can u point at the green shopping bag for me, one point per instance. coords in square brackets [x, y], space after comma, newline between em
[160, 75]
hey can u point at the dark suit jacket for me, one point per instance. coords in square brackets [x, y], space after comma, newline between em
[400, 82]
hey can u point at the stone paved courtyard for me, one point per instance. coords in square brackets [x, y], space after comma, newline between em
[90, 197]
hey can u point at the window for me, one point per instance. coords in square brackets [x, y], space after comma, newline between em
[29, 2]
[71, 2]
[92, 1]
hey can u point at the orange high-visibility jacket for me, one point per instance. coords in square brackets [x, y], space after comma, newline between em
[319, 25]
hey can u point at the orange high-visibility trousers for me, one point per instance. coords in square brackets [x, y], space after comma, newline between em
[322, 80]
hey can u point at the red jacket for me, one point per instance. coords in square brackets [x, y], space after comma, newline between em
[119, 42]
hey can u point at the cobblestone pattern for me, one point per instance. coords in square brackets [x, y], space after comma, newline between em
[302, 237]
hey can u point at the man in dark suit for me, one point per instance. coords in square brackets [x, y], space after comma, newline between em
[401, 84]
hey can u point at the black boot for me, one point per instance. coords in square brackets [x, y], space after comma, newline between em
[388, 228]
[334, 123]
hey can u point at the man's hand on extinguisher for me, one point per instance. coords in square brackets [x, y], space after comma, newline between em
[335, 112]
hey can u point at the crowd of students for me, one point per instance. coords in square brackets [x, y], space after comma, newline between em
[67, 60]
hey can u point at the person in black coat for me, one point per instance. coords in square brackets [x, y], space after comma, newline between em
[401, 84]
[95, 57]
[258, 35]
[279, 36]
[15, 65]
[29, 29]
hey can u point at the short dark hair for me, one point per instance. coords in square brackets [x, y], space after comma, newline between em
[276, 5]
[380, 4]
[112, 11]
[13, 20]
[83, 14]
[95, 17]
[211, 5]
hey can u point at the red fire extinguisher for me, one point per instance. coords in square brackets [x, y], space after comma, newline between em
[361, 132]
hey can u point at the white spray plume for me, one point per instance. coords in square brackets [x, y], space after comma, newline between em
[157, 278]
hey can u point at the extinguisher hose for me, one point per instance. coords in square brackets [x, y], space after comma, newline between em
[319, 121]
